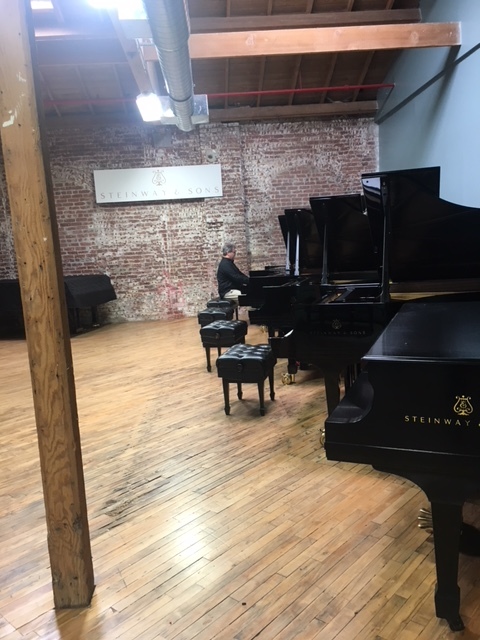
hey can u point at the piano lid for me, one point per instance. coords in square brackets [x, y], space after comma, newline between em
[428, 238]
[433, 332]
[301, 224]
[349, 245]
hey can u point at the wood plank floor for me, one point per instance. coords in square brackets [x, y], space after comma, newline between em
[211, 526]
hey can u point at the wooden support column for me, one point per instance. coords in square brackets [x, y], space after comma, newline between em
[37, 247]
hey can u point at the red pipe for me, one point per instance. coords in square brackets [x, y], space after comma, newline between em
[350, 87]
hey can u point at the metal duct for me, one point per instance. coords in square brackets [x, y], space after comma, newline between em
[169, 24]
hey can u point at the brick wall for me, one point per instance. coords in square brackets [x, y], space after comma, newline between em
[162, 256]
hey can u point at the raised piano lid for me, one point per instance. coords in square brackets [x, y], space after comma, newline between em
[301, 223]
[350, 251]
[429, 239]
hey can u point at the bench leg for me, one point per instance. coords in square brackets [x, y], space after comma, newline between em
[207, 353]
[270, 379]
[239, 390]
[226, 394]
[261, 395]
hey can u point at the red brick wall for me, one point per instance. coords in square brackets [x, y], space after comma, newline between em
[162, 257]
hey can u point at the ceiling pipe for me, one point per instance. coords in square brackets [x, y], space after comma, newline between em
[170, 27]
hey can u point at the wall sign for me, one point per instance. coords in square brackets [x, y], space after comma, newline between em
[158, 183]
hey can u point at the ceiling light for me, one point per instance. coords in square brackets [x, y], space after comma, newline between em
[41, 5]
[150, 107]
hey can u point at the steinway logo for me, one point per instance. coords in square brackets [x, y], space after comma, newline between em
[462, 407]
[336, 328]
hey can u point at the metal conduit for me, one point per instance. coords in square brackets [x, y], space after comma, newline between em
[169, 24]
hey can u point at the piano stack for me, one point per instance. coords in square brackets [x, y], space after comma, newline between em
[390, 300]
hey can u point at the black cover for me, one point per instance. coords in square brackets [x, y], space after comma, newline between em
[80, 292]
[88, 291]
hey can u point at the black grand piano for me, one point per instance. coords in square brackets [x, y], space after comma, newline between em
[268, 294]
[414, 409]
[334, 260]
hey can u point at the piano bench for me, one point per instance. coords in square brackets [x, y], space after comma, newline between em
[210, 315]
[222, 333]
[247, 363]
[220, 303]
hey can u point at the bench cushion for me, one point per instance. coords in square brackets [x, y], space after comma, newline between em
[218, 303]
[211, 315]
[223, 333]
[246, 363]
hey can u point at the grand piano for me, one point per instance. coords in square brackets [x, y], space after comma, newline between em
[414, 409]
[267, 294]
[332, 310]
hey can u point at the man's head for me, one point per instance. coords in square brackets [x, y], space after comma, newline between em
[228, 251]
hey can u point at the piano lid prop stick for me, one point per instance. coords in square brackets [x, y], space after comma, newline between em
[287, 259]
[297, 256]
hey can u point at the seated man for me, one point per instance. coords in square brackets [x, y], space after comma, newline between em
[230, 278]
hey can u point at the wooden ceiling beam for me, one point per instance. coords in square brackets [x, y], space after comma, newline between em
[322, 40]
[304, 20]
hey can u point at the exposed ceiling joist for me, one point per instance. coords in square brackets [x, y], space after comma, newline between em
[254, 59]
[236, 23]
[322, 40]
[303, 20]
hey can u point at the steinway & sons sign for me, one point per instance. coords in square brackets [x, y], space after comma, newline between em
[158, 183]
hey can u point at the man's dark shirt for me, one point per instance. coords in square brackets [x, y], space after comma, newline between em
[229, 277]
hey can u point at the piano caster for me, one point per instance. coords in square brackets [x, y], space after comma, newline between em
[288, 378]
[322, 439]
[425, 520]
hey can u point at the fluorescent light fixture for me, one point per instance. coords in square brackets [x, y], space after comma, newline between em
[150, 107]
[41, 5]
[127, 9]
[103, 4]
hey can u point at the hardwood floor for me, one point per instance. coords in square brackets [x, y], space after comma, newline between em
[211, 526]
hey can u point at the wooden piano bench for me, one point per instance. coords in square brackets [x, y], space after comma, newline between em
[247, 363]
[220, 303]
[222, 333]
[210, 315]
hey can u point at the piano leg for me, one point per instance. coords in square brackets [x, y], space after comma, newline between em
[447, 526]
[447, 496]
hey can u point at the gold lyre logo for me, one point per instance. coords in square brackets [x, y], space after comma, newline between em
[336, 324]
[463, 406]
